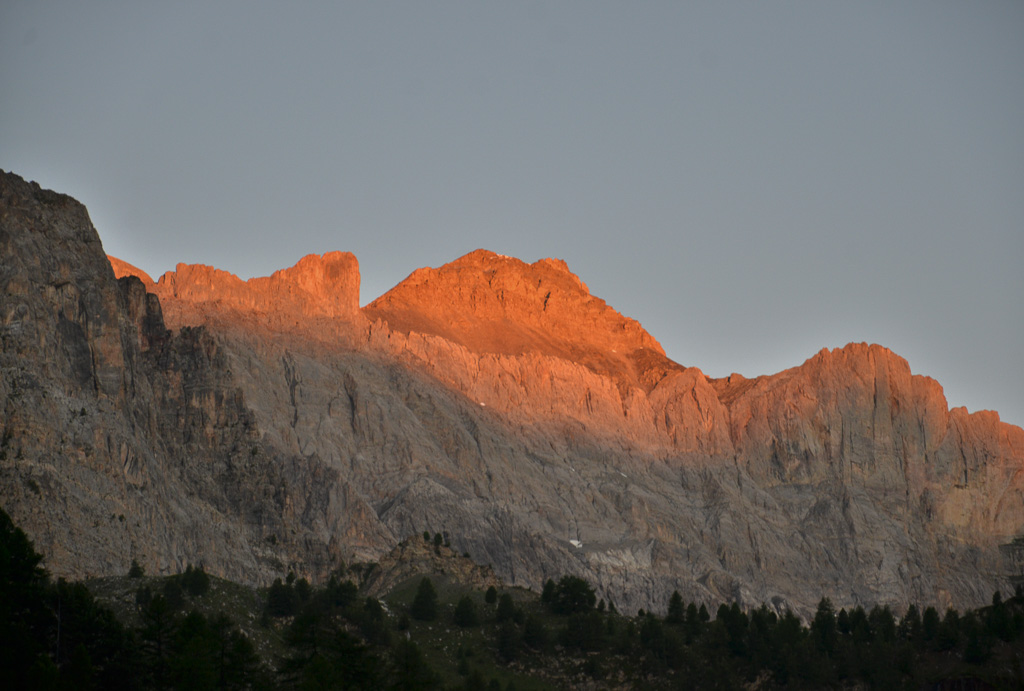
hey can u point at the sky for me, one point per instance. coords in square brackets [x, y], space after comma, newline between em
[751, 181]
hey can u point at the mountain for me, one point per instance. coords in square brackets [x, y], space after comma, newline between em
[271, 424]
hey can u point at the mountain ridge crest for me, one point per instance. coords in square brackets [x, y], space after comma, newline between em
[276, 436]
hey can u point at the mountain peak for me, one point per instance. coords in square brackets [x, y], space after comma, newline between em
[122, 268]
[492, 303]
[316, 286]
[282, 435]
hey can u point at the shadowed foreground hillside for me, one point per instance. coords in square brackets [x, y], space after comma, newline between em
[435, 630]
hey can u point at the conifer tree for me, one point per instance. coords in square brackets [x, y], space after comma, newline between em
[547, 595]
[465, 612]
[676, 609]
[823, 627]
[910, 625]
[23, 612]
[281, 600]
[424, 605]
[573, 594]
[930, 624]
[949, 631]
[506, 608]
[195, 581]
[156, 636]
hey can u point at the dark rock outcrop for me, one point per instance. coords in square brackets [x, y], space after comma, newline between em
[123, 440]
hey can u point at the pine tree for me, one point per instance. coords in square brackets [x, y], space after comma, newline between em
[949, 631]
[823, 627]
[547, 595]
[281, 600]
[573, 594]
[506, 608]
[195, 581]
[676, 609]
[23, 611]
[156, 637]
[930, 624]
[465, 612]
[424, 605]
[910, 627]
[999, 620]
[693, 623]
[883, 623]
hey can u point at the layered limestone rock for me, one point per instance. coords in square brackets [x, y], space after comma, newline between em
[857, 416]
[650, 435]
[122, 268]
[530, 341]
[415, 557]
[278, 425]
[491, 303]
[318, 297]
[121, 440]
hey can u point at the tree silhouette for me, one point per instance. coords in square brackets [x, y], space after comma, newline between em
[23, 612]
[572, 594]
[156, 635]
[547, 596]
[281, 600]
[823, 627]
[506, 608]
[424, 605]
[195, 581]
[465, 612]
[676, 609]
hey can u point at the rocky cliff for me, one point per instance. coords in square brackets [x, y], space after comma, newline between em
[273, 424]
[121, 439]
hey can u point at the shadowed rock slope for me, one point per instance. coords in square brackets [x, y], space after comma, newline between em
[275, 425]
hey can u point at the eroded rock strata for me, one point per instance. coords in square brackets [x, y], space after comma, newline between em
[255, 426]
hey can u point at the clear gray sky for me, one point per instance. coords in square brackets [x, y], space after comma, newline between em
[752, 181]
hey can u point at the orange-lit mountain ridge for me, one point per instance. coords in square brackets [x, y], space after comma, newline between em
[256, 426]
[499, 305]
[529, 342]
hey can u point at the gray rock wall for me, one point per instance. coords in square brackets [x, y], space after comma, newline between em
[267, 441]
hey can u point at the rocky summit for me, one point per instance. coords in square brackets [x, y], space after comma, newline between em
[259, 426]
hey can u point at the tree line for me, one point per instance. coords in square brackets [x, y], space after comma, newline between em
[54, 635]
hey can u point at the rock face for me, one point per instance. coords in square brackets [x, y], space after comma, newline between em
[121, 439]
[314, 298]
[276, 425]
[495, 304]
[414, 557]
